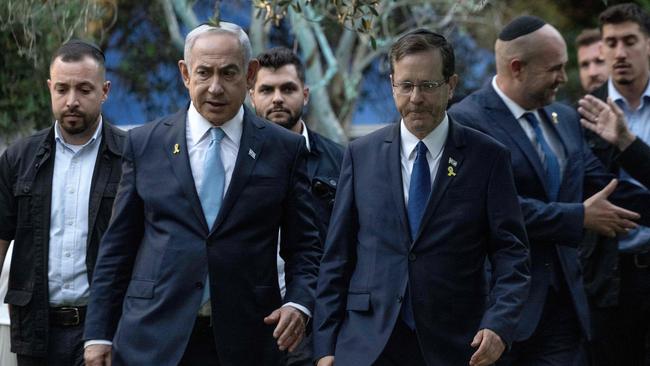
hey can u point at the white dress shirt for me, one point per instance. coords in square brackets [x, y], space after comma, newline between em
[71, 180]
[435, 143]
[551, 137]
[198, 140]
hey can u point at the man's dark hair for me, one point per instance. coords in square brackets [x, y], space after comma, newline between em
[628, 12]
[278, 57]
[422, 40]
[76, 50]
[588, 37]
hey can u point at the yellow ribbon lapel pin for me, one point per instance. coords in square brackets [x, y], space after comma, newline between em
[554, 118]
[450, 168]
[177, 149]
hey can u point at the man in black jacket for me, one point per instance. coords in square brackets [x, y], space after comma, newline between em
[617, 272]
[279, 95]
[56, 194]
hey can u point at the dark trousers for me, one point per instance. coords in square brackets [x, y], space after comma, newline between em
[402, 348]
[621, 333]
[64, 348]
[557, 339]
[201, 349]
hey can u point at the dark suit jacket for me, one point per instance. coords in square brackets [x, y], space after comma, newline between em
[26, 170]
[323, 167]
[599, 254]
[158, 249]
[554, 228]
[369, 256]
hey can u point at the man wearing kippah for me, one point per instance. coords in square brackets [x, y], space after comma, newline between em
[56, 194]
[563, 188]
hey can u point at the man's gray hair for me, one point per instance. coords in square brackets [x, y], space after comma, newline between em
[223, 28]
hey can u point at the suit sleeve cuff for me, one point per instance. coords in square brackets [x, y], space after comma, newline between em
[302, 309]
[93, 342]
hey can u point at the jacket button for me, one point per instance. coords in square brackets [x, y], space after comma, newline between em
[412, 257]
[199, 285]
[547, 265]
[26, 189]
[400, 298]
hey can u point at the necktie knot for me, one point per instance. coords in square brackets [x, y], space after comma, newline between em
[532, 120]
[216, 134]
[421, 149]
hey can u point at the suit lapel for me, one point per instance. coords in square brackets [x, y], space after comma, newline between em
[391, 152]
[452, 157]
[502, 118]
[175, 147]
[250, 149]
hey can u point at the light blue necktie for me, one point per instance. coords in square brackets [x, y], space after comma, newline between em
[419, 191]
[549, 160]
[211, 190]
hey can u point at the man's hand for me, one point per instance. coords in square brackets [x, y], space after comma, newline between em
[606, 218]
[607, 120]
[490, 347]
[290, 328]
[326, 361]
[98, 355]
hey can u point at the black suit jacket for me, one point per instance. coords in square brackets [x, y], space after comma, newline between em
[599, 254]
[26, 170]
[323, 168]
[158, 249]
[369, 256]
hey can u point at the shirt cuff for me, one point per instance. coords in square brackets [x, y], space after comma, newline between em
[302, 309]
[93, 342]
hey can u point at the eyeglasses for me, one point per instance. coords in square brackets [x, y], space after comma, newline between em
[406, 87]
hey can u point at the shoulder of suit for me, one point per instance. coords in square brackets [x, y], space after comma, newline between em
[477, 139]
[325, 144]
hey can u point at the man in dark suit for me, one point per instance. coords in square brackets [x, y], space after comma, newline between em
[279, 94]
[420, 205]
[562, 187]
[617, 272]
[187, 274]
[56, 195]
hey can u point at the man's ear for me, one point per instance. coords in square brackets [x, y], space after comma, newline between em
[305, 94]
[185, 73]
[453, 82]
[253, 67]
[516, 67]
[105, 89]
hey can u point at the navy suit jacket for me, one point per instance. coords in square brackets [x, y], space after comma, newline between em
[554, 228]
[158, 250]
[369, 255]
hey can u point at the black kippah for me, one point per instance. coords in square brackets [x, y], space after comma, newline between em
[521, 26]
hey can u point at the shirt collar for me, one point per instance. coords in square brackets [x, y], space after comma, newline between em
[434, 141]
[618, 97]
[305, 135]
[514, 108]
[199, 126]
[58, 137]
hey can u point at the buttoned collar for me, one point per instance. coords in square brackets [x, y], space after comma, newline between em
[58, 137]
[618, 97]
[199, 126]
[434, 141]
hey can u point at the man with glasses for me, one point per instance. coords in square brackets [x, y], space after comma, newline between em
[419, 206]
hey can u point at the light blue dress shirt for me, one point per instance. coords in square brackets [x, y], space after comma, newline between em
[71, 180]
[638, 240]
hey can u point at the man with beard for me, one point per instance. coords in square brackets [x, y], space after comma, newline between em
[279, 94]
[619, 127]
[591, 65]
[563, 189]
[56, 194]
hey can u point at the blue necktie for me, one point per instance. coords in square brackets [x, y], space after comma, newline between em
[419, 191]
[549, 160]
[211, 190]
